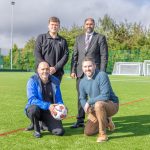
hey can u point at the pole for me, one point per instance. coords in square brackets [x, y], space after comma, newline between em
[12, 16]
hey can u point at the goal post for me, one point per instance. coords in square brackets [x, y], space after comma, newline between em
[146, 67]
[128, 68]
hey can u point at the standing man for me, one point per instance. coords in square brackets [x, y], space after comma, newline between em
[52, 48]
[101, 103]
[89, 44]
[43, 92]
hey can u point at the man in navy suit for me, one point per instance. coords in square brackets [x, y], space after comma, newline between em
[89, 44]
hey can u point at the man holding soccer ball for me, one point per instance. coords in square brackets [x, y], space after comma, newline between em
[43, 93]
[98, 100]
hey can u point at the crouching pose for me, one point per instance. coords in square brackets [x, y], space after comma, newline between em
[98, 100]
[43, 91]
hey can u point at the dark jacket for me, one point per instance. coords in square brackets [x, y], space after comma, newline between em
[98, 50]
[53, 51]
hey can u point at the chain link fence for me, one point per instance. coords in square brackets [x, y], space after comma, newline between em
[114, 56]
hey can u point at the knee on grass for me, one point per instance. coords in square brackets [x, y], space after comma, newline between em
[58, 132]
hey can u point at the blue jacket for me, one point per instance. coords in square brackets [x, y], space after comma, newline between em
[34, 92]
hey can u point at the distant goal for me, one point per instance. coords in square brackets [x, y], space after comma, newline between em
[128, 68]
[146, 67]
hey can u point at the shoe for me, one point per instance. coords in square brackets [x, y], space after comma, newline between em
[111, 125]
[102, 138]
[77, 125]
[29, 128]
[37, 134]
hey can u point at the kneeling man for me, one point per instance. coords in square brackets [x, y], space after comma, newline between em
[43, 91]
[98, 100]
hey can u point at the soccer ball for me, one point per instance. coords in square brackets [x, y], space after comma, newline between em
[60, 112]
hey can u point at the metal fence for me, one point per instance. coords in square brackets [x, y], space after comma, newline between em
[114, 56]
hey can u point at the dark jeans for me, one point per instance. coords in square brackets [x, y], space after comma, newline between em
[35, 114]
[81, 113]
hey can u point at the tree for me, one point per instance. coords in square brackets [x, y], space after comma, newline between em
[28, 61]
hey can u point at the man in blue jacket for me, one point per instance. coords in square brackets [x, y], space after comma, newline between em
[98, 100]
[43, 92]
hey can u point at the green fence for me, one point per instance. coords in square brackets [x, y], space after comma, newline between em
[120, 56]
[123, 56]
[114, 56]
[1, 62]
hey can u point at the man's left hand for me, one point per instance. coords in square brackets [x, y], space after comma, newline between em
[52, 70]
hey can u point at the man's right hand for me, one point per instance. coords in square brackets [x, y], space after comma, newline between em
[73, 75]
[86, 107]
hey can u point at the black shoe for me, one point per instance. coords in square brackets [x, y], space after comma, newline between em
[29, 128]
[37, 134]
[77, 125]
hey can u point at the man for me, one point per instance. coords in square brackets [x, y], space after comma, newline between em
[101, 104]
[52, 48]
[93, 45]
[43, 91]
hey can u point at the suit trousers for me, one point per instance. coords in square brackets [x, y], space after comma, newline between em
[81, 113]
[35, 114]
[98, 117]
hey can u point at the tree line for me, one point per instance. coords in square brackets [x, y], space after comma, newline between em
[126, 42]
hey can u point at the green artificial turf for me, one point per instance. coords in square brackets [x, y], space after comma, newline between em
[132, 121]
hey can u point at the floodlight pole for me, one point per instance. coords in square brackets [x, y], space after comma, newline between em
[12, 16]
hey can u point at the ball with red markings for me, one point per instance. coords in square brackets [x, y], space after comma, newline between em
[59, 112]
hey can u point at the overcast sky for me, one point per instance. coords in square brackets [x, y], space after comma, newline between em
[31, 16]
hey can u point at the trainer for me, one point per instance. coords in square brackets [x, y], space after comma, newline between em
[43, 90]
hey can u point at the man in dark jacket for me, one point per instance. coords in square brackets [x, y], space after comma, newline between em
[52, 48]
[89, 44]
[43, 91]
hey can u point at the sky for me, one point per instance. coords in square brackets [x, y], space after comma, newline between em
[30, 17]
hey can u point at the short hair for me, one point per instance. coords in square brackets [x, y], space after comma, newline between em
[91, 19]
[89, 59]
[42, 62]
[53, 19]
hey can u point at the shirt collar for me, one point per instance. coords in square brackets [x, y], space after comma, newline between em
[48, 36]
[89, 33]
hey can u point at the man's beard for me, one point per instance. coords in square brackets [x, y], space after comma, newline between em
[89, 30]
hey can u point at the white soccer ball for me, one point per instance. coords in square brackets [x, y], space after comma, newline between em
[60, 112]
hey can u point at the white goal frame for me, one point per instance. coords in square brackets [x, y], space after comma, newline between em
[135, 68]
[146, 67]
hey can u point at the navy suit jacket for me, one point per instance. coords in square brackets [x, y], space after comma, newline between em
[97, 50]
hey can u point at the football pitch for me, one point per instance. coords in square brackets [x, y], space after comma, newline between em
[132, 121]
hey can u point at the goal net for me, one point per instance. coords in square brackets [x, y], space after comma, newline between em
[146, 67]
[128, 68]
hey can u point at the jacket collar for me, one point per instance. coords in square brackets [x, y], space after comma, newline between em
[49, 37]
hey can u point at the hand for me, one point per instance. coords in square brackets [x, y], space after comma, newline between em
[73, 75]
[52, 70]
[52, 109]
[86, 107]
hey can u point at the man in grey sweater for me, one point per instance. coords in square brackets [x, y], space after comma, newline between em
[98, 100]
